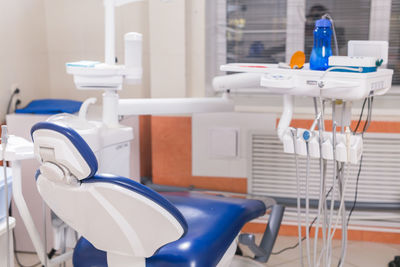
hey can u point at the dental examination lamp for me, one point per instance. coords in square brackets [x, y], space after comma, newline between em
[110, 77]
[109, 136]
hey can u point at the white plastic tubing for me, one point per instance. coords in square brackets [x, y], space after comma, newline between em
[287, 115]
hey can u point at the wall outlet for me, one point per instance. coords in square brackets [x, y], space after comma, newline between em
[13, 87]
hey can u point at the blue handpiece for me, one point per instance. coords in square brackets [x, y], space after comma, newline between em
[306, 136]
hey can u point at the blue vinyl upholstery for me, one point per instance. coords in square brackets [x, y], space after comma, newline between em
[210, 223]
[88, 155]
[77, 140]
[213, 224]
[51, 106]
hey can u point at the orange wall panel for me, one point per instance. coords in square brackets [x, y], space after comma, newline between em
[172, 157]
[355, 235]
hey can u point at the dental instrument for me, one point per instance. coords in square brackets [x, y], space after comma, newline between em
[306, 136]
[294, 136]
[322, 167]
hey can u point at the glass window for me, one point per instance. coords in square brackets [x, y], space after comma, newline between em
[351, 21]
[256, 31]
[394, 42]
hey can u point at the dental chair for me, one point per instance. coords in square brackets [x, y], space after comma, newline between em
[123, 223]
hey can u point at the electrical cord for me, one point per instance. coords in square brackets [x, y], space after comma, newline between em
[16, 92]
[355, 199]
[311, 225]
[359, 171]
[370, 101]
[17, 259]
[361, 115]
[17, 103]
[369, 118]
[365, 128]
[297, 244]
[304, 238]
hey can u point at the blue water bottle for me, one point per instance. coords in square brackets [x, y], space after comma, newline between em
[322, 49]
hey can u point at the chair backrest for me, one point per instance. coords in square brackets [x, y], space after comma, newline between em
[115, 214]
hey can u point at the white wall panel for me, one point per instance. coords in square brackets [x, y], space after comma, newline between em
[205, 162]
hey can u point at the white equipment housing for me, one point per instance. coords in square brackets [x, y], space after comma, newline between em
[110, 145]
[348, 154]
[96, 76]
[3, 247]
[330, 85]
[376, 49]
[346, 86]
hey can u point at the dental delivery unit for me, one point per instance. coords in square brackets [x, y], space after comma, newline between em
[329, 80]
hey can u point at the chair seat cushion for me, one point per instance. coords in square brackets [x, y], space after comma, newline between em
[213, 224]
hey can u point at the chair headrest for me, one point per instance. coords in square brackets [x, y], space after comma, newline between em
[62, 149]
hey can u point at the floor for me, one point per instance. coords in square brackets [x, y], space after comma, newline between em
[360, 254]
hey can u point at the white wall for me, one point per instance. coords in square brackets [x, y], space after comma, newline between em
[177, 45]
[40, 36]
[196, 51]
[75, 31]
[168, 48]
[174, 44]
[23, 51]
